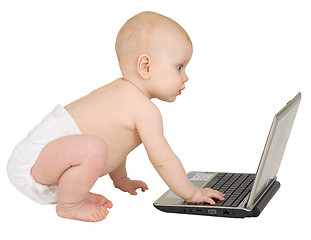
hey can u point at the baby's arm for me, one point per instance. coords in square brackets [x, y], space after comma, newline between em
[150, 128]
[125, 184]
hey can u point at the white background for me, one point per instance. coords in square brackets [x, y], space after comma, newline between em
[249, 59]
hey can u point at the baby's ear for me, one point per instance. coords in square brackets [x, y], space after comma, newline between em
[143, 66]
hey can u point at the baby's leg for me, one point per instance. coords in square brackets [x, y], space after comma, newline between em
[74, 163]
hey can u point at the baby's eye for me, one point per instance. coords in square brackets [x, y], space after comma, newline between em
[179, 67]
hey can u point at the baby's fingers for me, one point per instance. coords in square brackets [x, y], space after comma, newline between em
[210, 193]
[219, 195]
[210, 201]
[140, 184]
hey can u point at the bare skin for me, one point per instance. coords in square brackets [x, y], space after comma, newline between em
[94, 205]
[64, 160]
[118, 117]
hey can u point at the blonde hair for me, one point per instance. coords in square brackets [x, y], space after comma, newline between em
[135, 36]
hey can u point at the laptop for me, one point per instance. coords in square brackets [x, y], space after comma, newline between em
[246, 194]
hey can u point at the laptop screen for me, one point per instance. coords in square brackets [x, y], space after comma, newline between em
[274, 149]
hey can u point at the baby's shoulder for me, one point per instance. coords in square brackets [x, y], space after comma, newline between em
[147, 107]
[147, 114]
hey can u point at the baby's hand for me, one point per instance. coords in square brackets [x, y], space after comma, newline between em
[128, 185]
[206, 195]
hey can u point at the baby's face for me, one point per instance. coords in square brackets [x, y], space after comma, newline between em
[168, 66]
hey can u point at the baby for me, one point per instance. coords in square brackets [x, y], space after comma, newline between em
[62, 158]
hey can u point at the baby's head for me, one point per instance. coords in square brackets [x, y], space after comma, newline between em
[153, 51]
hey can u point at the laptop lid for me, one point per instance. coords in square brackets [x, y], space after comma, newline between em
[274, 149]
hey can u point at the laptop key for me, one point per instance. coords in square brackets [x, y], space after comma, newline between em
[219, 203]
[227, 204]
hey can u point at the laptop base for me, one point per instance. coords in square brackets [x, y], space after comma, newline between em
[224, 212]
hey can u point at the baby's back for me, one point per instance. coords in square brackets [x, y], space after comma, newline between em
[109, 114]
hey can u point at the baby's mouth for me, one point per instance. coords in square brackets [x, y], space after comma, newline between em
[181, 90]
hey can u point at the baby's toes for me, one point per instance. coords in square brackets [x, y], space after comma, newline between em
[104, 212]
[102, 201]
[108, 204]
[100, 215]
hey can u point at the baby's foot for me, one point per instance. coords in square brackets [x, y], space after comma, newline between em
[88, 210]
[100, 200]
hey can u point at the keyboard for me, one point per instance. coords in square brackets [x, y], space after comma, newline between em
[236, 186]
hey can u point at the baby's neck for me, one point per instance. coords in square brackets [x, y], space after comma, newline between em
[137, 85]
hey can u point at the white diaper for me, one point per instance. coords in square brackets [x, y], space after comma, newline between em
[56, 124]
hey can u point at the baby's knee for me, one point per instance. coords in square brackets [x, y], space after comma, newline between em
[95, 152]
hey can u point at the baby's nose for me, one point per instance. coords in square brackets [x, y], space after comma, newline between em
[186, 79]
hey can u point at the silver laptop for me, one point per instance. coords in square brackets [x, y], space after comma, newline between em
[246, 194]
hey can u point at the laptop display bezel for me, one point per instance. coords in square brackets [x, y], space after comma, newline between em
[258, 191]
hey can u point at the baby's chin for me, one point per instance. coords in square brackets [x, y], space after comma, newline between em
[172, 99]
[167, 98]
